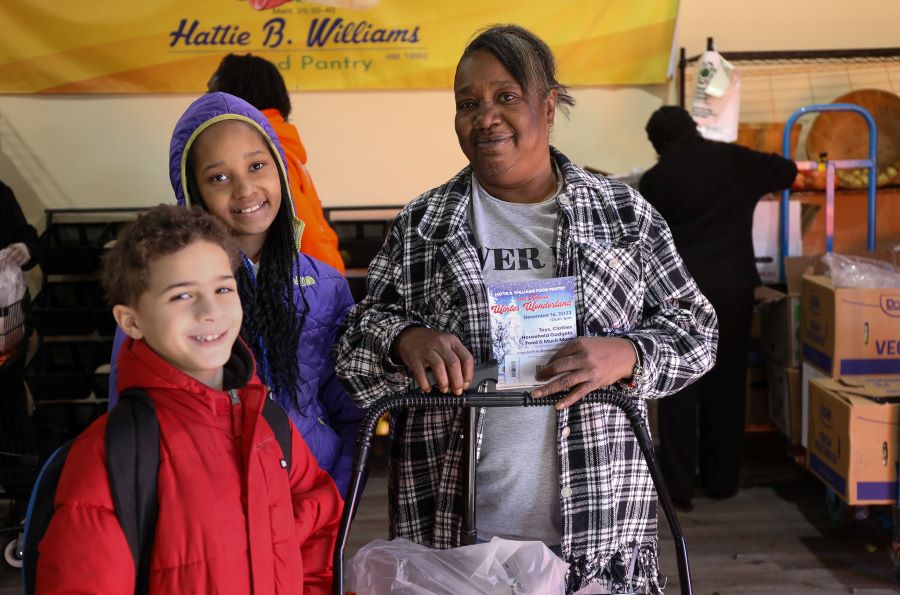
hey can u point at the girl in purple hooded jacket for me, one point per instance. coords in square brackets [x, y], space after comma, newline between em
[225, 158]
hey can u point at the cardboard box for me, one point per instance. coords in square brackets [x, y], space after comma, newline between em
[780, 314]
[756, 327]
[853, 438]
[767, 235]
[780, 321]
[807, 373]
[850, 331]
[756, 410]
[785, 406]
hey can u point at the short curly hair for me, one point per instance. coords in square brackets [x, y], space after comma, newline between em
[157, 232]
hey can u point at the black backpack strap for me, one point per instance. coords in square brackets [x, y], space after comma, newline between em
[40, 512]
[281, 424]
[132, 463]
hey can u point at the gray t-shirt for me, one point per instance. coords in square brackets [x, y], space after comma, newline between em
[517, 476]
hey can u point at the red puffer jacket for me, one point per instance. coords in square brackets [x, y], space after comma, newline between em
[231, 520]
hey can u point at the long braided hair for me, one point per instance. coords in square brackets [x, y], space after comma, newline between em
[272, 320]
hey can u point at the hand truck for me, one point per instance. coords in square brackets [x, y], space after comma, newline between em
[483, 393]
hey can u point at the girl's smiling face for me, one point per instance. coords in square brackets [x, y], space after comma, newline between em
[238, 180]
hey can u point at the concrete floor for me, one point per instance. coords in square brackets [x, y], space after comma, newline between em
[773, 538]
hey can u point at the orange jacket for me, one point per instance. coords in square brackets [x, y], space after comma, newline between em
[319, 240]
[231, 520]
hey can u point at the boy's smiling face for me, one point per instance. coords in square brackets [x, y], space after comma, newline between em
[190, 314]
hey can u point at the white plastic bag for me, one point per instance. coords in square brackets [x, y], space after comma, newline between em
[12, 314]
[12, 283]
[858, 271]
[716, 106]
[499, 567]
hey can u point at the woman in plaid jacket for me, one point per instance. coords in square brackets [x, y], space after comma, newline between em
[573, 478]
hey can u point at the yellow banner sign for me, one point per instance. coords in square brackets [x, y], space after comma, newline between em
[167, 46]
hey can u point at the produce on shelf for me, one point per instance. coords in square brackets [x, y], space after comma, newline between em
[845, 135]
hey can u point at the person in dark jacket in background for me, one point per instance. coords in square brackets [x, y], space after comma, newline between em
[20, 247]
[707, 192]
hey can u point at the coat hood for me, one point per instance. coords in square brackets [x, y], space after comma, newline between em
[210, 109]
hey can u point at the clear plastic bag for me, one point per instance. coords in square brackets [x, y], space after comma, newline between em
[499, 567]
[858, 271]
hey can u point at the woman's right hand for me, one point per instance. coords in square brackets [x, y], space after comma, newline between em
[451, 364]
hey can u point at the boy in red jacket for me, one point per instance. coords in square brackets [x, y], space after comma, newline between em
[231, 519]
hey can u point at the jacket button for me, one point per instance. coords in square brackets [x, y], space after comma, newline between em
[565, 492]
[565, 432]
[563, 199]
[399, 376]
[613, 263]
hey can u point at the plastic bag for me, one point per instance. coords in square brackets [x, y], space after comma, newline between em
[498, 567]
[857, 271]
[12, 317]
[717, 98]
[12, 283]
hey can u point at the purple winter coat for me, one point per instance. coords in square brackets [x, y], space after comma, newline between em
[319, 406]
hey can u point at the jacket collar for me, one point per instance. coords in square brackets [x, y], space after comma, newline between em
[238, 370]
[140, 367]
[448, 206]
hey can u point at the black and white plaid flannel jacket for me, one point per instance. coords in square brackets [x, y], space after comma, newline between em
[630, 282]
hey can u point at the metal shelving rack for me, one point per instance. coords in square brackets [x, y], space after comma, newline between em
[808, 56]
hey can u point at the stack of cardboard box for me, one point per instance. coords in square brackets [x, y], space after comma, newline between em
[850, 346]
[780, 321]
[771, 354]
[756, 411]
